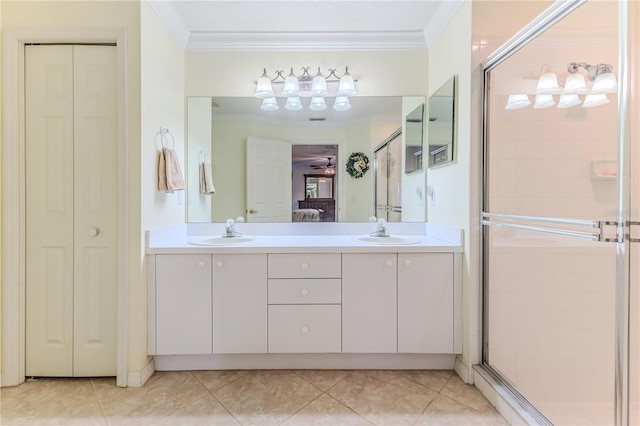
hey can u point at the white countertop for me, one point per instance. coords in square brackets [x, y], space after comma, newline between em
[176, 240]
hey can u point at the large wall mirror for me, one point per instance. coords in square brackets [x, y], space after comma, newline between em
[219, 128]
[442, 124]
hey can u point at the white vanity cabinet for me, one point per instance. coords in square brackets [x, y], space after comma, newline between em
[304, 303]
[304, 306]
[369, 303]
[183, 304]
[239, 303]
[425, 303]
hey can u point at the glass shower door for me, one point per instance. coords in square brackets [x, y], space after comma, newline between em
[388, 177]
[550, 212]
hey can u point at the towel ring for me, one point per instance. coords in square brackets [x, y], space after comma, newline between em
[203, 155]
[163, 132]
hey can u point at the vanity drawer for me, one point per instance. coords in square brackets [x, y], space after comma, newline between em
[305, 265]
[304, 291]
[305, 329]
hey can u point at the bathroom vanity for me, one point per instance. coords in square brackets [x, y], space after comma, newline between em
[306, 299]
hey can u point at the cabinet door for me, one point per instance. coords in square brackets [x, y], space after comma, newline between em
[183, 304]
[369, 309]
[240, 303]
[425, 303]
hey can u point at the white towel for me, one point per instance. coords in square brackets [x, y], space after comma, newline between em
[206, 179]
[170, 177]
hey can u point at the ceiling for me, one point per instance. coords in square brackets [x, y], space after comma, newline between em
[295, 24]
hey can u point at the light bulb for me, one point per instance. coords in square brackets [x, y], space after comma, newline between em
[594, 100]
[291, 87]
[346, 87]
[342, 103]
[269, 104]
[544, 101]
[263, 88]
[548, 84]
[575, 85]
[319, 85]
[317, 104]
[293, 104]
[517, 102]
[605, 83]
[568, 101]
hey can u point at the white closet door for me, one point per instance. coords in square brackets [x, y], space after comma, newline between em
[49, 206]
[95, 206]
[71, 203]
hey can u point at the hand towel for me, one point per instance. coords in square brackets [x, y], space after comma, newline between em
[206, 179]
[170, 177]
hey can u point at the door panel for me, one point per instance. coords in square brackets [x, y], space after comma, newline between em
[268, 180]
[96, 203]
[49, 206]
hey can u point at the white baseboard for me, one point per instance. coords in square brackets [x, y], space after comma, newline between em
[463, 372]
[137, 379]
[305, 361]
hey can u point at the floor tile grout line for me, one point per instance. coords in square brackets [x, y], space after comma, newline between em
[95, 395]
[210, 392]
[453, 398]
[302, 408]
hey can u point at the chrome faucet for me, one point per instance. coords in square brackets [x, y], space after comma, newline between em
[381, 228]
[230, 228]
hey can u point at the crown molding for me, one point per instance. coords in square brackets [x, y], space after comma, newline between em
[171, 18]
[440, 20]
[314, 41]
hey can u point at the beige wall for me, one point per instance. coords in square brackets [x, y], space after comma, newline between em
[155, 85]
[379, 73]
[162, 105]
[452, 183]
[1, 210]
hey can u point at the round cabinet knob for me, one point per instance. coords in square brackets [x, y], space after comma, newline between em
[219, 263]
[304, 329]
[389, 263]
[93, 232]
[304, 292]
[407, 263]
[202, 264]
[305, 265]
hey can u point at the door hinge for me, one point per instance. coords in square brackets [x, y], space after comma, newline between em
[619, 235]
[628, 235]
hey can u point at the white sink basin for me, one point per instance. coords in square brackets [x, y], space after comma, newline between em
[386, 240]
[220, 241]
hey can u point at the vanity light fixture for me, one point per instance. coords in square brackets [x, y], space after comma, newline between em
[602, 76]
[604, 80]
[304, 85]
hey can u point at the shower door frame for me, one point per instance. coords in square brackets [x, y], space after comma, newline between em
[548, 18]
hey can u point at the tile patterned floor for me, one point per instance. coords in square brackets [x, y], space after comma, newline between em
[261, 397]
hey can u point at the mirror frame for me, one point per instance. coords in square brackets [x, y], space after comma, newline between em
[318, 176]
[442, 147]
